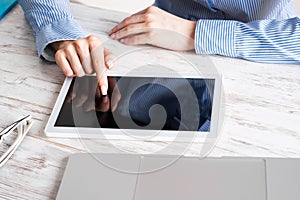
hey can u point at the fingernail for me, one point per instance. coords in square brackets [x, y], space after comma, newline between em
[113, 36]
[122, 40]
[104, 90]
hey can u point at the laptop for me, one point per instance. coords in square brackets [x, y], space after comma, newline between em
[148, 177]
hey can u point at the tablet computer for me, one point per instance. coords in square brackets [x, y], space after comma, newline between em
[151, 106]
[153, 95]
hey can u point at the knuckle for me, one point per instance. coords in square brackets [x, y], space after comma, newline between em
[59, 55]
[94, 39]
[79, 41]
[69, 49]
[150, 24]
[78, 44]
[126, 21]
[94, 42]
[150, 9]
[148, 17]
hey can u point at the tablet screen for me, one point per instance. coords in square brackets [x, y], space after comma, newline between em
[139, 103]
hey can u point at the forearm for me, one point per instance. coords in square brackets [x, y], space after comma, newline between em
[51, 21]
[267, 41]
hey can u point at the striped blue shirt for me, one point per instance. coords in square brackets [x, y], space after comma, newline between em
[257, 30]
[51, 21]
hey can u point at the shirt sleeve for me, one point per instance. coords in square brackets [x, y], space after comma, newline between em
[268, 41]
[51, 21]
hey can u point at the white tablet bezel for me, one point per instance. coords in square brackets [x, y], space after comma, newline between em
[73, 132]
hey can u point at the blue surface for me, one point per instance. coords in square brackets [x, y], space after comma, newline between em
[6, 6]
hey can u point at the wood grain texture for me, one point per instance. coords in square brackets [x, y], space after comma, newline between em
[262, 108]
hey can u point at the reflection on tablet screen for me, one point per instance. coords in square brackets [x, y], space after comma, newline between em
[139, 103]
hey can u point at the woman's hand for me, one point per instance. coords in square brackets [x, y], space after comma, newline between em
[84, 56]
[156, 27]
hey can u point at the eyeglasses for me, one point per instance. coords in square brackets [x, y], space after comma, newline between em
[21, 127]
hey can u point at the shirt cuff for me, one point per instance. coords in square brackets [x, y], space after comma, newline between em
[64, 29]
[215, 37]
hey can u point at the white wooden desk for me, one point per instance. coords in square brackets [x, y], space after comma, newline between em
[262, 110]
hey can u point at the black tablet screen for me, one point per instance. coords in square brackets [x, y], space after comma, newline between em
[139, 103]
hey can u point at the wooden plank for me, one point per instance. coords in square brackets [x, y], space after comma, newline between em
[262, 108]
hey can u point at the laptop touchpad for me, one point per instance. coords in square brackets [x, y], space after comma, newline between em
[194, 179]
[96, 176]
